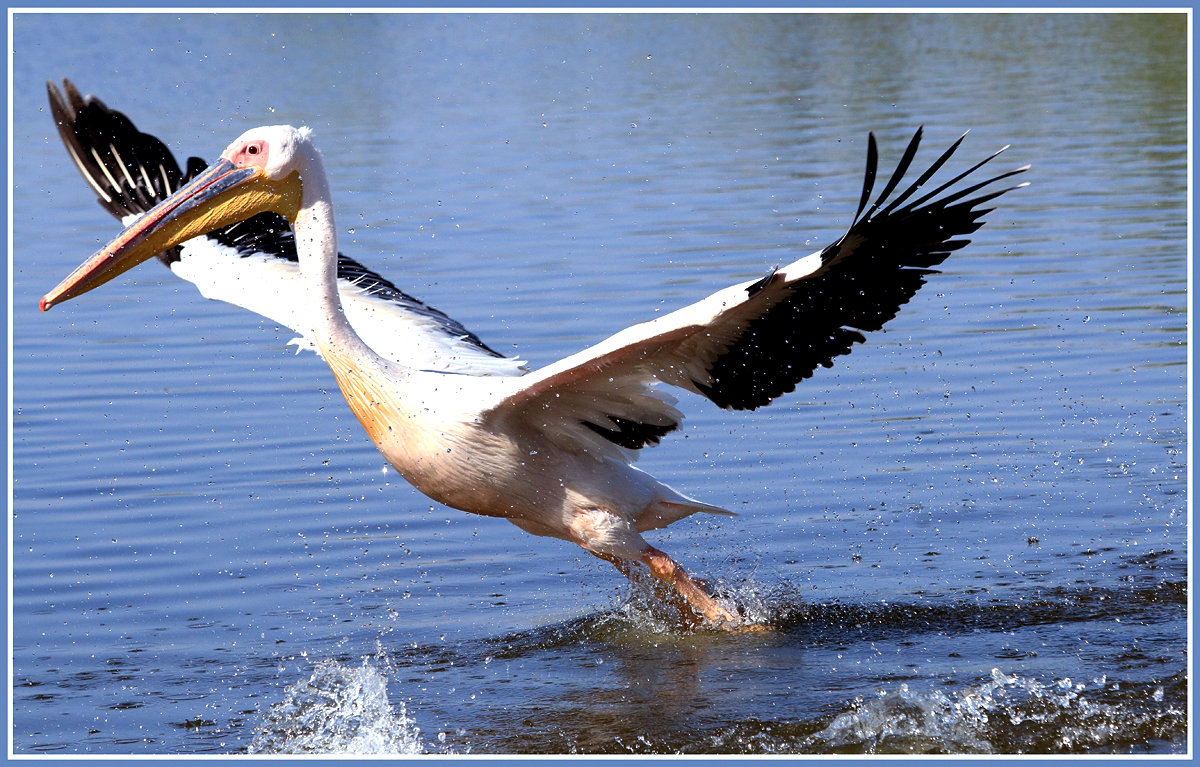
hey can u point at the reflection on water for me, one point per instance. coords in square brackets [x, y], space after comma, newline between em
[971, 534]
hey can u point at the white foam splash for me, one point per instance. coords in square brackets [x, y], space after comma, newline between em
[905, 721]
[340, 709]
[1058, 717]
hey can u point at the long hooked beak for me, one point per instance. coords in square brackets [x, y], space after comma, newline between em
[223, 194]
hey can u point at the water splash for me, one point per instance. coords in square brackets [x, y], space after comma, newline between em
[1007, 714]
[340, 709]
[904, 721]
[648, 606]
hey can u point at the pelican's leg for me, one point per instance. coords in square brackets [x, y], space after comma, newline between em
[688, 598]
[672, 573]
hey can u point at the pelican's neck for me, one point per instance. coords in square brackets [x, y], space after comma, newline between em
[317, 248]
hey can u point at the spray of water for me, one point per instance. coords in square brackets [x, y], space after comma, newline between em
[339, 709]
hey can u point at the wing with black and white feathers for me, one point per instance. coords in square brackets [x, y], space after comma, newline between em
[253, 264]
[747, 344]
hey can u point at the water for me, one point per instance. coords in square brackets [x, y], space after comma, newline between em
[970, 534]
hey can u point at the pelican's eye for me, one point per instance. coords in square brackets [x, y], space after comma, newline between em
[250, 153]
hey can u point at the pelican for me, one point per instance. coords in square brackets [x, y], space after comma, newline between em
[253, 263]
[553, 450]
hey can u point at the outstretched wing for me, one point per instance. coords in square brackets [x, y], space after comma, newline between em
[747, 344]
[253, 263]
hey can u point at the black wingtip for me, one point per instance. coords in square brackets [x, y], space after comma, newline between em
[129, 171]
[901, 168]
[869, 175]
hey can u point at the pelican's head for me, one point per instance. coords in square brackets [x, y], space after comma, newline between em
[259, 172]
[277, 150]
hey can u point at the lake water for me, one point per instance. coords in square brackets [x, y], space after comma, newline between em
[971, 534]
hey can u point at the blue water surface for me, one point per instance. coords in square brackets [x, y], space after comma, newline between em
[970, 534]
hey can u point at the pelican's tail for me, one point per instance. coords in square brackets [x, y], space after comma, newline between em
[667, 511]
